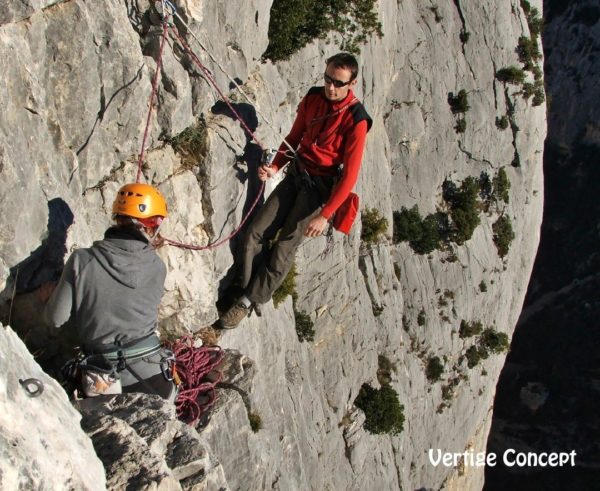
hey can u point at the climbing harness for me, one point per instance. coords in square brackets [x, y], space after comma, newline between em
[196, 370]
[36, 383]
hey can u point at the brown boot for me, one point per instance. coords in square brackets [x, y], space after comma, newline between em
[234, 315]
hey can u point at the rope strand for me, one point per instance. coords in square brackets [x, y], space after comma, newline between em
[152, 95]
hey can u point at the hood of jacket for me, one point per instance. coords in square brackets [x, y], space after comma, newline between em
[127, 256]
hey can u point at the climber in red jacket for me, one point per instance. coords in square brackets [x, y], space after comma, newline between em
[329, 135]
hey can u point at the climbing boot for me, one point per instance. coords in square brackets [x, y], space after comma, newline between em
[234, 315]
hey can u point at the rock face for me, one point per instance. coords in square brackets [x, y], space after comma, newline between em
[73, 109]
[553, 363]
[42, 445]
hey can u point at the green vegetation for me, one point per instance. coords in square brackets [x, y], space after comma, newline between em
[421, 318]
[373, 226]
[293, 25]
[493, 341]
[304, 324]
[502, 123]
[529, 52]
[464, 210]
[503, 235]
[461, 125]
[438, 230]
[468, 329]
[473, 356]
[501, 186]
[459, 103]
[423, 236]
[483, 286]
[288, 287]
[464, 36]
[305, 327]
[191, 145]
[255, 421]
[512, 75]
[435, 368]
[383, 412]
[490, 342]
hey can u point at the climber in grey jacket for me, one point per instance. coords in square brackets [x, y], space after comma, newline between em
[111, 292]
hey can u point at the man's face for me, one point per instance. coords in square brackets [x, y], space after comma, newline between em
[334, 76]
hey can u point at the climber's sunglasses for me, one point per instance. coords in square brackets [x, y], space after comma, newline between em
[337, 83]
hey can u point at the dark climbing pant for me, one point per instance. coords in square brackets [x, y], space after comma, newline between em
[288, 209]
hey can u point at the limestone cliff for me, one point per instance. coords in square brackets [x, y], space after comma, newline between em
[73, 103]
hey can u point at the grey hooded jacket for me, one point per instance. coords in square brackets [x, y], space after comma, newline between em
[110, 289]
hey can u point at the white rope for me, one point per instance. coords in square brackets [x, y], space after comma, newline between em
[233, 81]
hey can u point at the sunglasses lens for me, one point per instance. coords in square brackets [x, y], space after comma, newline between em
[336, 83]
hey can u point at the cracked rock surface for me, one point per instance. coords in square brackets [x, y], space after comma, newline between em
[73, 105]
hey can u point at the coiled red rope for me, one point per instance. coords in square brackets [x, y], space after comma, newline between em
[196, 369]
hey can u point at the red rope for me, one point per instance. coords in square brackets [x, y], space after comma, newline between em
[222, 241]
[213, 82]
[196, 369]
[152, 95]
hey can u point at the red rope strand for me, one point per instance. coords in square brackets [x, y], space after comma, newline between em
[196, 369]
[152, 96]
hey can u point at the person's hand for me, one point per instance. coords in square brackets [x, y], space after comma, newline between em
[316, 226]
[265, 172]
[44, 291]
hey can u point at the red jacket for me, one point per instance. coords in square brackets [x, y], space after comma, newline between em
[329, 134]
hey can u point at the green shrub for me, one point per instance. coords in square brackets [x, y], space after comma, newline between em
[512, 75]
[468, 329]
[435, 368]
[459, 103]
[464, 36]
[255, 421]
[383, 411]
[473, 356]
[529, 52]
[501, 186]
[464, 209]
[305, 327]
[528, 90]
[539, 95]
[288, 287]
[502, 123]
[192, 145]
[483, 286]
[293, 25]
[373, 226]
[424, 236]
[421, 318]
[461, 125]
[503, 235]
[493, 341]
[485, 187]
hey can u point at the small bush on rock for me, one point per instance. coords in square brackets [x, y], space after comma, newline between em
[383, 412]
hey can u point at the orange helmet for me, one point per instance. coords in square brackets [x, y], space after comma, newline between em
[139, 201]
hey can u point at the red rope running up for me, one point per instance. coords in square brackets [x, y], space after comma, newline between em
[213, 82]
[196, 368]
[152, 96]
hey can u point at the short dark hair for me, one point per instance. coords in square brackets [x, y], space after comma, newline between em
[344, 60]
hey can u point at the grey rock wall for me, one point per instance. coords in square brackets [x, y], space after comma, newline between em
[71, 126]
